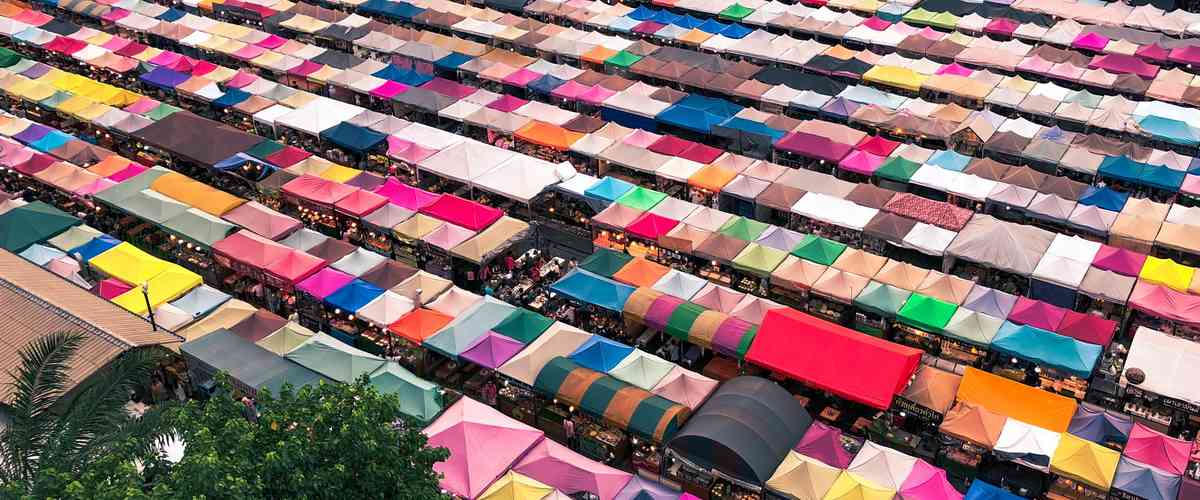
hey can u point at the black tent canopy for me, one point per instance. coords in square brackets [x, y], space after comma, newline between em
[744, 430]
[196, 139]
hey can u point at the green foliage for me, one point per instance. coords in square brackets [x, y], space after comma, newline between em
[324, 441]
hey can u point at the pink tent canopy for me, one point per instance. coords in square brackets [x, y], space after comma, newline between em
[521, 77]
[483, 444]
[407, 151]
[318, 190]
[389, 89]
[1154, 52]
[1191, 184]
[1187, 54]
[249, 52]
[262, 220]
[824, 443]
[1119, 260]
[877, 145]
[1166, 303]
[1001, 26]
[1121, 63]
[361, 202]
[448, 236]
[110, 288]
[402, 194]
[1037, 314]
[701, 153]
[462, 212]
[305, 68]
[641, 138]
[1088, 328]
[507, 103]
[861, 162]
[95, 187]
[143, 105]
[570, 472]
[1154, 448]
[250, 249]
[670, 145]
[324, 282]
[926, 482]
[718, 298]
[492, 350]
[295, 266]
[1090, 41]
[651, 227]
[271, 42]
[449, 88]
[241, 79]
[876, 23]
[685, 387]
[570, 90]
[597, 94]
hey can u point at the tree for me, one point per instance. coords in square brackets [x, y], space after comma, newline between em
[56, 437]
[323, 441]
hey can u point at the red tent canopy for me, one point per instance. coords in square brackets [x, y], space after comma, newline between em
[462, 212]
[651, 227]
[833, 358]
[361, 202]
[250, 249]
[1087, 328]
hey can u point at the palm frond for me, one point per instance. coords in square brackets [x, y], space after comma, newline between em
[88, 422]
[37, 385]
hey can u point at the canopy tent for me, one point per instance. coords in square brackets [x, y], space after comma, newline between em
[1145, 481]
[685, 387]
[592, 289]
[645, 489]
[250, 365]
[933, 388]
[334, 359]
[515, 486]
[1016, 400]
[32, 223]
[570, 472]
[1027, 444]
[1099, 425]
[1047, 348]
[981, 490]
[171, 283]
[286, 339]
[641, 369]
[1001, 245]
[195, 138]
[469, 426]
[419, 324]
[605, 262]
[559, 340]
[745, 430]
[850, 486]
[973, 423]
[833, 358]
[927, 313]
[1153, 448]
[618, 403]
[1085, 461]
[523, 326]
[802, 478]
[475, 322]
[881, 465]
[927, 482]
[601, 354]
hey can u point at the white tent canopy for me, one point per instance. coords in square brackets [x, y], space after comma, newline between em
[320, 114]
[520, 177]
[681, 285]
[1027, 444]
[885, 467]
[1171, 364]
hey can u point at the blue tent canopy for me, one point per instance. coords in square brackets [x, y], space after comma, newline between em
[1162, 177]
[592, 289]
[1169, 130]
[1047, 348]
[354, 295]
[1104, 197]
[665, 17]
[171, 15]
[232, 97]
[752, 127]
[717, 106]
[712, 26]
[452, 61]
[1146, 481]
[1098, 425]
[984, 491]
[601, 354]
[54, 140]
[401, 75]
[546, 84]
[97, 246]
[736, 31]
[164, 78]
[950, 160]
[688, 22]
[608, 189]
[237, 160]
[353, 137]
[642, 13]
[688, 118]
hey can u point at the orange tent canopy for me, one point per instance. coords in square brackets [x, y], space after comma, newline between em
[1016, 400]
[641, 272]
[197, 194]
[419, 324]
[548, 135]
[109, 166]
[712, 177]
[598, 55]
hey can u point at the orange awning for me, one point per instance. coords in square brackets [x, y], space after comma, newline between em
[712, 177]
[641, 272]
[197, 194]
[419, 324]
[548, 135]
[1016, 400]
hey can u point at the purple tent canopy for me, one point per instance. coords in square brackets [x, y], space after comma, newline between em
[1099, 426]
[164, 77]
[324, 282]
[813, 146]
[32, 133]
[492, 350]
[645, 489]
[824, 443]
[841, 107]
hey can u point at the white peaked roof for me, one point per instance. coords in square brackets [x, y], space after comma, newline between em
[521, 178]
[319, 114]
[685, 387]
[708, 219]
[466, 160]
[1025, 441]
[1073, 247]
[558, 340]
[454, 302]
[358, 262]
[674, 208]
[929, 239]
[428, 137]
[1061, 270]
[386, 308]
[885, 467]
[642, 369]
[1171, 364]
[681, 285]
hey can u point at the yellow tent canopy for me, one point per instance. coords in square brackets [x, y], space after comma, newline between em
[803, 478]
[340, 174]
[895, 76]
[129, 264]
[514, 486]
[168, 285]
[1167, 272]
[34, 91]
[203, 197]
[230, 313]
[850, 486]
[1085, 461]
[75, 104]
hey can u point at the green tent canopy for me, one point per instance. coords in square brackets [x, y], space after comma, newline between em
[679, 324]
[199, 227]
[264, 149]
[735, 12]
[898, 169]
[641, 198]
[926, 313]
[419, 398]
[162, 111]
[617, 402]
[758, 259]
[918, 17]
[605, 262]
[882, 299]
[36, 222]
[819, 250]
[9, 58]
[623, 59]
[523, 325]
[944, 20]
[743, 229]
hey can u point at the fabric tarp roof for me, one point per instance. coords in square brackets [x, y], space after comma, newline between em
[471, 325]
[469, 425]
[1085, 461]
[558, 340]
[890, 365]
[1016, 400]
[746, 429]
[1146, 481]
[592, 289]
[570, 472]
[1047, 348]
[198, 139]
[802, 478]
[1167, 361]
[618, 403]
[334, 359]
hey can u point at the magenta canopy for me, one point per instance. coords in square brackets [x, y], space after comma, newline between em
[1119, 260]
[570, 472]
[402, 194]
[1001, 26]
[507, 103]
[813, 146]
[1154, 448]
[861, 162]
[1088, 328]
[955, 69]
[295, 266]
[462, 212]
[492, 350]
[1187, 54]
[1094, 42]
[597, 94]
[521, 77]
[389, 89]
[407, 151]
[651, 227]
[271, 42]
[1037, 314]
[110, 288]
[570, 90]
[483, 444]
[824, 442]
[449, 88]
[1121, 63]
[324, 282]
[926, 482]
[361, 202]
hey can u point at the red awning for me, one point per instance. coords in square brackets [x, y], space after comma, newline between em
[820, 354]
